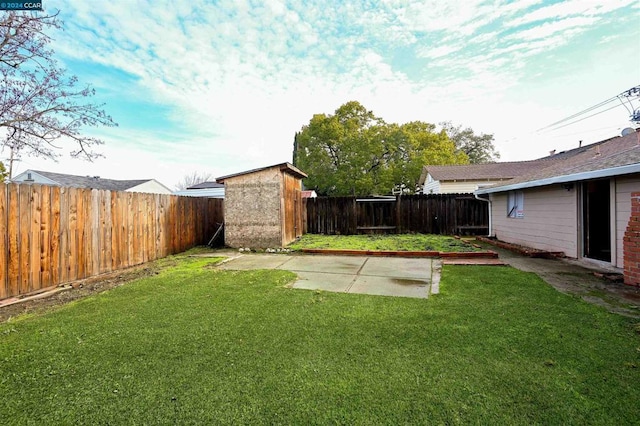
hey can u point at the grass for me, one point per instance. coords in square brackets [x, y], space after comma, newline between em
[195, 345]
[395, 242]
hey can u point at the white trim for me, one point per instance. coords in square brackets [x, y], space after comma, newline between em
[20, 179]
[595, 174]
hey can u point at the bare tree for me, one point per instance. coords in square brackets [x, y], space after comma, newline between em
[41, 107]
[194, 179]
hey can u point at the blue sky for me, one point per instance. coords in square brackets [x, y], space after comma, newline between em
[222, 86]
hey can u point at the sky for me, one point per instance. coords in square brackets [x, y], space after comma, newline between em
[220, 87]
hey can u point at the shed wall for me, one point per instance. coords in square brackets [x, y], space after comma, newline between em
[291, 208]
[252, 209]
[550, 220]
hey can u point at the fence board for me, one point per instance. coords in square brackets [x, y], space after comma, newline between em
[45, 240]
[4, 262]
[25, 240]
[35, 238]
[13, 233]
[54, 241]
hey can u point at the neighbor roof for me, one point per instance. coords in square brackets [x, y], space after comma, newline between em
[205, 185]
[285, 167]
[94, 182]
[486, 171]
[611, 157]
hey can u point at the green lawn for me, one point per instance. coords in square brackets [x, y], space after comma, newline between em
[194, 345]
[396, 242]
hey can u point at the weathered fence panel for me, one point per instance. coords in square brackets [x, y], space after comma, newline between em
[448, 214]
[51, 235]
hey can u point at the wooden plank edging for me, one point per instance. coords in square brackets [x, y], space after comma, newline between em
[395, 253]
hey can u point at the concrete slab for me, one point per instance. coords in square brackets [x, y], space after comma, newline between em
[385, 276]
[247, 262]
[324, 281]
[327, 264]
[387, 286]
[397, 267]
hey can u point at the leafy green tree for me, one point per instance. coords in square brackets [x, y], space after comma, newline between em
[418, 144]
[479, 148]
[4, 174]
[354, 152]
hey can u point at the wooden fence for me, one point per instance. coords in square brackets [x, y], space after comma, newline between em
[448, 214]
[51, 235]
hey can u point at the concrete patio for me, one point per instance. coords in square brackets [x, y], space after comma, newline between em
[384, 276]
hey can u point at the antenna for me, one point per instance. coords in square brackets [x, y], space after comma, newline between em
[627, 131]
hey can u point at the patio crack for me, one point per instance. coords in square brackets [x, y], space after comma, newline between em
[353, 281]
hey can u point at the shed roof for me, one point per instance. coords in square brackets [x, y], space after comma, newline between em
[611, 157]
[284, 167]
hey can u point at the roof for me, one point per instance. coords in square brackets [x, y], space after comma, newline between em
[485, 171]
[611, 157]
[309, 193]
[94, 182]
[500, 170]
[204, 185]
[284, 167]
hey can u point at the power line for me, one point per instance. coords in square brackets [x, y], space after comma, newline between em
[584, 118]
[626, 94]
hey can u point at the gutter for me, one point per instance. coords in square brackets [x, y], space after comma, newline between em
[475, 194]
[593, 174]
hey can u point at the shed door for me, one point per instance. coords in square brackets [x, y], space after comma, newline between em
[596, 217]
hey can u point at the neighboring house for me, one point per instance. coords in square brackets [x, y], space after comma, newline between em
[204, 189]
[466, 178]
[578, 204]
[309, 193]
[93, 182]
[263, 207]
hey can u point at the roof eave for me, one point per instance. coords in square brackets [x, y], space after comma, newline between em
[594, 174]
[285, 167]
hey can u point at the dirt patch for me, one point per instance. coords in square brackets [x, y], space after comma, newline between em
[82, 288]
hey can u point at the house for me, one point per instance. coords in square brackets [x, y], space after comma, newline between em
[466, 178]
[204, 189]
[585, 203]
[309, 193]
[93, 182]
[263, 207]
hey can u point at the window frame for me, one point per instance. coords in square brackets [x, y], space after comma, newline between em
[515, 205]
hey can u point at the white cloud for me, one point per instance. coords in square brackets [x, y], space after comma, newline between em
[551, 28]
[572, 8]
[243, 78]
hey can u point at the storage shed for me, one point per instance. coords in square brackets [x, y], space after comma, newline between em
[263, 207]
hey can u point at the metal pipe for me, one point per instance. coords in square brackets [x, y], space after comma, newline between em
[489, 207]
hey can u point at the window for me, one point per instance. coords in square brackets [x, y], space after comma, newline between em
[515, 204]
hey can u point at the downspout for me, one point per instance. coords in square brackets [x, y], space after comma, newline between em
[489, 207]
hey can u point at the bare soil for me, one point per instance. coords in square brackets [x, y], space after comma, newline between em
[79, 289]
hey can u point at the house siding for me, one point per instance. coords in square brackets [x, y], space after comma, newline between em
[252, 209]
[624, 187]
[431, 186]
[151, 187]
[35, 178]
[550, 220]
[458, 187]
